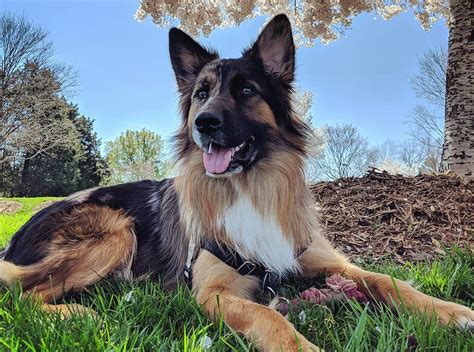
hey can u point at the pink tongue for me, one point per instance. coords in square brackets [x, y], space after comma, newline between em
[218, 160]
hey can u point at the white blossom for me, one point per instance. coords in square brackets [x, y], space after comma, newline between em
[394, 167]
[320, 19]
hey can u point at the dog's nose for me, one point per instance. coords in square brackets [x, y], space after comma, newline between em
[207, 122]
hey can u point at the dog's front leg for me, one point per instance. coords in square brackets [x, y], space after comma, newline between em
[223, 292]
[321, 257]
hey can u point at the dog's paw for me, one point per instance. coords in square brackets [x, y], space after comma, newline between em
[455, 314]
[307, 346]
[281, 305]
[66, 311]
[466, 323]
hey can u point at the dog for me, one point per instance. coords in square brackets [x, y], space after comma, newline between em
[235, 222]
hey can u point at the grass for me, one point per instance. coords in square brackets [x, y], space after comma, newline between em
[140, 316]
[10, 223]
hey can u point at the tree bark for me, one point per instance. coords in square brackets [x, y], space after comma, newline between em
[458, 148]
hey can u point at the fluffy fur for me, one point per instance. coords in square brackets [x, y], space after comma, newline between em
[255, 203]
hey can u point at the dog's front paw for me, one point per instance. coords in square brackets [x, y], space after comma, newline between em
[281, 305]
[305, 346]
[452, 313]
[294, 342]
[298, 343]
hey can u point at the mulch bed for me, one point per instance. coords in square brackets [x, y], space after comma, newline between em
[43, 205]
[401, 218]
[9, 206]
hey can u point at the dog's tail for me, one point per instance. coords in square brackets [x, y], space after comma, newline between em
[9, 272]
[27, 275]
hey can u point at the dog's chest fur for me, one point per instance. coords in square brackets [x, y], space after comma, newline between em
[258, 236]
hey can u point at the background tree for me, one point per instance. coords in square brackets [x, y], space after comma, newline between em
[345, 154]
[32, 84]
[412, 156]
[302, 103]
[388, 159]
[136, 155]
[326, 19]
[46, 146]
[65, 169]
[92, 166]
[53, 174]
[316, 150]
[427, 119]
[430, 81]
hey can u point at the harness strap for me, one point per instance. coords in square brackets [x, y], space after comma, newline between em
[189, 260]
[269, 280]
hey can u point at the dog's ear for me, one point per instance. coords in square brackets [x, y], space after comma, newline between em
[187, 58]
[275, 49]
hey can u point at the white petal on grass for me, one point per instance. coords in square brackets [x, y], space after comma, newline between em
[129, 297]
[206, 342]
[302, 317]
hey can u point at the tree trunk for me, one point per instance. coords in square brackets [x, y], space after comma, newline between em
[458, 149]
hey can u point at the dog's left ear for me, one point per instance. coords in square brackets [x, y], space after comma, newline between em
[275, 49]
[187, 58]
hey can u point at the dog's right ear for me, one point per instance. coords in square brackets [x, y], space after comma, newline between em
[187, 58]
[275, 49]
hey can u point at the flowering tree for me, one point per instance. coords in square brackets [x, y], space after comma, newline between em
[323, 19]
[326, 20]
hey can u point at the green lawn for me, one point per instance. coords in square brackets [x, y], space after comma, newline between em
[10, 223]
[141, 316]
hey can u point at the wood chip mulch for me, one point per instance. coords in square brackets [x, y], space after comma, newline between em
[9, 206]
[381, 216]
[43, 205]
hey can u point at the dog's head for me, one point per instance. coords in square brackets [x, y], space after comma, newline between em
[237, 112]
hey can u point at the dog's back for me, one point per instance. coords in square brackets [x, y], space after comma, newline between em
[146, 211]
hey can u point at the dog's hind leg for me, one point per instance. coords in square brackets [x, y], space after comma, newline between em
[87, 245]
[223, 292]
[321, 257]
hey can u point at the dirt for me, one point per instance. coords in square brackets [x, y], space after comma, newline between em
[9, 206]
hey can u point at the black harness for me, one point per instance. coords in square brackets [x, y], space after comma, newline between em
[269, 281]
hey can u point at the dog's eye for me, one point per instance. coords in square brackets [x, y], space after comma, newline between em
[202, 94]
[247, 90]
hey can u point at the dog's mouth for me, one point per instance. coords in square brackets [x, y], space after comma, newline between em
[225, 161]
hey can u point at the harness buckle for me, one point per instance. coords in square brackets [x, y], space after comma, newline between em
[250, 266]
[268, 282]
[187, 273]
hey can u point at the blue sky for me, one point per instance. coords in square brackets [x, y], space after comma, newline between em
[126, 80]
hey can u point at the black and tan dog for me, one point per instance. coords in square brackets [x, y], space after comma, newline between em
[240, 212]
